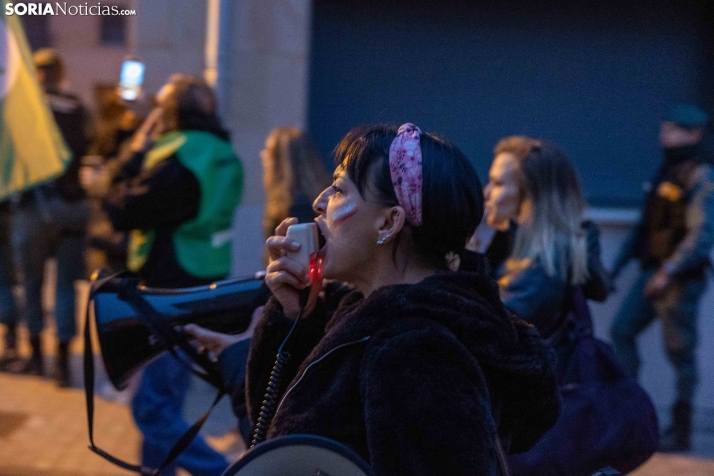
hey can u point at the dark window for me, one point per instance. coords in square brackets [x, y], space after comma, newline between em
[37, 29]
[113, 29]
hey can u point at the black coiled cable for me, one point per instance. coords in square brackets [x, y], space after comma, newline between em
[267, 410]
[270, 401]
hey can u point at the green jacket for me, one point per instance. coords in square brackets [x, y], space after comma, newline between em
[202, 244]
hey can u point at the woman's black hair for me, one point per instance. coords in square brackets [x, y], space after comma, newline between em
[452, 195]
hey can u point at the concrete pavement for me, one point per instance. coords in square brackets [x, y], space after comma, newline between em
[43, 429]
[43, 432]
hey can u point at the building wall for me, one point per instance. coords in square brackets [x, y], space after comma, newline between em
[169, 38]
[593, 77]
[266, 87]
[87, 60]
[264, 72]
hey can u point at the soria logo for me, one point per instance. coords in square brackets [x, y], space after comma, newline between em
[62, 8]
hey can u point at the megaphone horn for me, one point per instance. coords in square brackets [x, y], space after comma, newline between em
[126, 339]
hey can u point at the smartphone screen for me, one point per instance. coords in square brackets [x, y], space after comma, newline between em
[131, 78]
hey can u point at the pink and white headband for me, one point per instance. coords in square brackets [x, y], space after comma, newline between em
[406, 171]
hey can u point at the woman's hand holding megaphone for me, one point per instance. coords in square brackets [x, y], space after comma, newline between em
[216, 342]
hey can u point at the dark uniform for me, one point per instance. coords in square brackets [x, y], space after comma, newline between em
[676, 234]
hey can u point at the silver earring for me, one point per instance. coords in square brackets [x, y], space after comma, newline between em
[382, 241]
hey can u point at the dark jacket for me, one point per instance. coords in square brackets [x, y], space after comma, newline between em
[404, 377]
[161, 198]
[73, 122]
[539, 298]
[689, 258]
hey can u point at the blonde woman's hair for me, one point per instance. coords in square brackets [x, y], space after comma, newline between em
[291, 167]
[550, 224]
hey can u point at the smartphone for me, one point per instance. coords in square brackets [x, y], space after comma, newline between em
[131, 79]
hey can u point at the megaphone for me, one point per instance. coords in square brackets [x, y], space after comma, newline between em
[127, 341]
[300, 455]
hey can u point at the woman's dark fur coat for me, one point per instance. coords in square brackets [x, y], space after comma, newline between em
[403, 377]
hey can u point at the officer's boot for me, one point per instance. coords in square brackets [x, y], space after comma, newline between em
[9, 355]
[678, 437]
[35, 365]
[62, 367]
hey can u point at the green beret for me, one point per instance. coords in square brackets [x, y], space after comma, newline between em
[687, 116]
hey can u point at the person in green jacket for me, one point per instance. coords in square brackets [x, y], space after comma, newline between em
[176, 196]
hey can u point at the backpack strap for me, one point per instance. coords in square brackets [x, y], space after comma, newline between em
[501, 455]
[501, 460]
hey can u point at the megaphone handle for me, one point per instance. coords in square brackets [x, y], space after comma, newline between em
[169, 337]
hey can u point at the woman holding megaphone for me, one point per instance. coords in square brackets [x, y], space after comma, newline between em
[415, 365]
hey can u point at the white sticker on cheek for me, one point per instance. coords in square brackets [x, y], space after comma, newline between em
[344, 212]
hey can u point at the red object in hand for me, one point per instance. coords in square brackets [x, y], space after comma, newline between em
[315, 272]
[315, 269]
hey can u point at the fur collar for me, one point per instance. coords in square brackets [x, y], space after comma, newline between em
[517, 363]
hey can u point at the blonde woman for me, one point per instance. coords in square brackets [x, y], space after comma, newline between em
[533, 199]
[293, 175]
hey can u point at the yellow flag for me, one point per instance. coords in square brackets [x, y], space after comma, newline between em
[31, 147]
